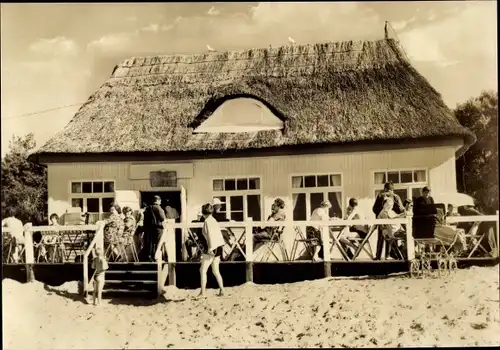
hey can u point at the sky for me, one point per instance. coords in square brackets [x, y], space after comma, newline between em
[56, 55]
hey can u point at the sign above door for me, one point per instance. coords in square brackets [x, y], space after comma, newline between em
[163, 178]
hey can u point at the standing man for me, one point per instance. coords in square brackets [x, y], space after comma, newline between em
[424, 205]
[154, 216]
[397, 207]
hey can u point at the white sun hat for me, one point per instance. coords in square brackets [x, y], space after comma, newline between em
[217, 201]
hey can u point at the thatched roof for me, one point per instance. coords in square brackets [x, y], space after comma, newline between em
[337, 92]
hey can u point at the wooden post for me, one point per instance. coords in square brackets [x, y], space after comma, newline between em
[410, 244]
[249, 249]
[326, 250]
[171, 252]
[498, 237]
[29, 252]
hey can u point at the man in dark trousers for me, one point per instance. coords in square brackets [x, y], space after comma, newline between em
[377, 208]
[154, 216]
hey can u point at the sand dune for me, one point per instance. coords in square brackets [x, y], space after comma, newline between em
[458, 310]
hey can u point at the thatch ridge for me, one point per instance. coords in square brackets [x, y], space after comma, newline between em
[337, 92]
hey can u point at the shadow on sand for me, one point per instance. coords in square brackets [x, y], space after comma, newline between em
[144, 299]
[65, 294]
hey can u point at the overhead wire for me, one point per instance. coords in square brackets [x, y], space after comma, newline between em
[44, 111]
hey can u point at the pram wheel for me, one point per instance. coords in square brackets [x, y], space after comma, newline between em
[415, 268]
[442, 266]
[426, 265]
[452, 263]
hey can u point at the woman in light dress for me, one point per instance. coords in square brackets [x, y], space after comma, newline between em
[212, 249]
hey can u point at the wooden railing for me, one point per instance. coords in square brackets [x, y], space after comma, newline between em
[324, 226]
[166, 243]
[98, 241]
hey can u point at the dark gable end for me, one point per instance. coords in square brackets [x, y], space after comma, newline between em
[338, 92]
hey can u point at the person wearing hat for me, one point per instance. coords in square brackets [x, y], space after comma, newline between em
[424, 204]
[217, 205]
[154, 216]
[313, 232]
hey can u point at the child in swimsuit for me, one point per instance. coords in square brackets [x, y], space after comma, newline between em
[100, 265]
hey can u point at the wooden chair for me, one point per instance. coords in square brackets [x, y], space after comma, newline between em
[11, 247]
[129, 243]
[234, 243]
[301, 239]
[362, 242]
[193, 237]
[270, 243]
[476, 239]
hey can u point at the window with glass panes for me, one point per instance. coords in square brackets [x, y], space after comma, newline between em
[241, 197]
[308, 191]
[408, 184]
[94, 197]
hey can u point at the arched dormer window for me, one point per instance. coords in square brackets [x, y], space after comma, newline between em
[240, 115]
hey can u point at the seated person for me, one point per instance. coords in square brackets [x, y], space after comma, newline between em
[392, 231]
[277, 214]
[353, 212]
[314, 233]
[16, 236]
[448, 234]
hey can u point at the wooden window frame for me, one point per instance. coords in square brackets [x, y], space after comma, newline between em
[86, 196]
[323, 189]
[237, 193]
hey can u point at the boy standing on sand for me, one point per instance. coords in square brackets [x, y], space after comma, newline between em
[100, 265]
[212, 249]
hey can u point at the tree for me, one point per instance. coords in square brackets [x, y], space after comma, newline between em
[24, 184]
[477, 169]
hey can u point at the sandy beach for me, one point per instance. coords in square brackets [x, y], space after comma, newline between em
[458, 310]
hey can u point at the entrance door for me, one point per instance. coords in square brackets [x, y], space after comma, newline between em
[174, 200]
[170, 198]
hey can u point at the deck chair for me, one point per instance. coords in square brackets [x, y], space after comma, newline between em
[195, 242]
[354, 242]
[363, 244]
[109, 252]
[234, 243]
[129, 243]
[301, 239]
[10, 253]
[476, 239]
[51, 249]
[270, 243]
[392, 246]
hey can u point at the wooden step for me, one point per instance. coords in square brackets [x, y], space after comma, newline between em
[136, 272]
[130, 281]
[123, 292]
